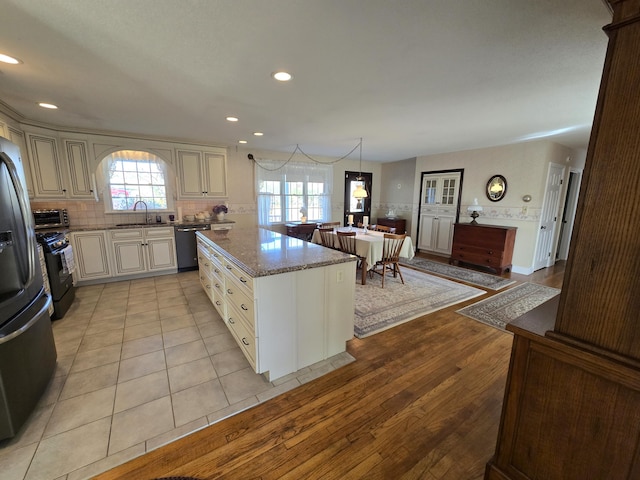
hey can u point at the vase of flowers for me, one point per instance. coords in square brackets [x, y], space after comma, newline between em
[220, 211]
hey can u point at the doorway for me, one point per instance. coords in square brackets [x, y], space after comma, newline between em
[358, 207]
[545, 249]
[569, 213]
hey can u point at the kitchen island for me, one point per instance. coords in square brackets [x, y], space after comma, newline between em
[288, 303]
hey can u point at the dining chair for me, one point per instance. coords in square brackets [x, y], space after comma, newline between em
[385, 229]
[330, 224]
[326, 237]
[391, 246]
[347, 242]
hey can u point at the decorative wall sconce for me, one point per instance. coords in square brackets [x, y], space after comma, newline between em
[473, 211]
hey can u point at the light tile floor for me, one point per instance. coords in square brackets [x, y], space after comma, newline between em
[140, 364]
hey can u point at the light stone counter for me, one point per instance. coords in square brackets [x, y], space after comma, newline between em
[261, 252]
[84, 228]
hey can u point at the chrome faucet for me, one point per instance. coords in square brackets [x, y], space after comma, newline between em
[146, 210]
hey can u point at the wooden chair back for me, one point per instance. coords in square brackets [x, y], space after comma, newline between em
[330, 224]
[392, 246]
[347, 242]
[383, 228]
[326, 237]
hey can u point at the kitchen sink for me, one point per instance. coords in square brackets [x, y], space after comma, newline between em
[139, 224]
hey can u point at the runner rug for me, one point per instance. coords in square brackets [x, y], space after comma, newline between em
[485, 280]
[380, 308]
[504, 307]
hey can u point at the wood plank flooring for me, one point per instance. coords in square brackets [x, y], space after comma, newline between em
[421, 401]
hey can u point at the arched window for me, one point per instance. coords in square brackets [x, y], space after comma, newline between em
[134, 175]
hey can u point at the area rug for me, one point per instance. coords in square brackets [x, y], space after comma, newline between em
[485, 280]
[504, 307]
[380, 308]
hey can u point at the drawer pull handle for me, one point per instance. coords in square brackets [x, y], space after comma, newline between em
[206, 264]
[218, 303]
[216, 270]
[228, 267]
[208, 287]
[244, 340]
[243, 280]
[217, 285]
[229, 291]
[231, 321]
[242, 306]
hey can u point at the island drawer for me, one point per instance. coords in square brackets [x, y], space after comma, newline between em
[245, 339]
[243, 303]
[240, 275]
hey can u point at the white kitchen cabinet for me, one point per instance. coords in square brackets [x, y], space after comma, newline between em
[77, 163]
[17, 137]
[201, 173]
[90, 255]
[438, 211]
[46, 166]
[141, 250]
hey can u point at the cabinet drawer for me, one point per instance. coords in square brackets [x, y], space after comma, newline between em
[216, 257]
[246, 340]
[476, 250]
[159, 232]
[241, 276]
[127, 234]
[244, 304]
[478, 259]
[204, 263]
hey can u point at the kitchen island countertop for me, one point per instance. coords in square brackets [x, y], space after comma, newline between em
[261, 252]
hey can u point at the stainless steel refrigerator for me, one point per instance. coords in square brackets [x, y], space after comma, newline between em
[27, 350]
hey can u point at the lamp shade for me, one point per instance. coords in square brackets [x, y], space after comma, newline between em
[360, 192]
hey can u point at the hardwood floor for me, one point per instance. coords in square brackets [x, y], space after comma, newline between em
[421, 401]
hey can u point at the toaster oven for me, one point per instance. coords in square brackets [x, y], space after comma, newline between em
[51, 218]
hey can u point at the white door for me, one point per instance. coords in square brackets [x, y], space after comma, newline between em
[545, 254]
[438, 210]
[569, 214]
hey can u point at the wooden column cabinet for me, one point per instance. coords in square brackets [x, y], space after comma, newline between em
[572, 402]
[487, 246]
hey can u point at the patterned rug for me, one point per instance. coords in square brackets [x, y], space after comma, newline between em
[485, 280]
[380, 308]
[504, 307]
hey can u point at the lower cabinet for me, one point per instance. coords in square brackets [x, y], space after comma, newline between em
[140, 250]
[90, 255]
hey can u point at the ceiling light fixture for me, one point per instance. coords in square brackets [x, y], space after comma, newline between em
[50, 106]
[360, 192]
[8, 59]
[281, 76]
[242, 141]
[232, 119]
[258, 134]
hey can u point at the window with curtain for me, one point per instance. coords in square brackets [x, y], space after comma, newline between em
[133, 175]
[287, 193]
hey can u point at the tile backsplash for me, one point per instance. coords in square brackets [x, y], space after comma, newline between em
[92, 213]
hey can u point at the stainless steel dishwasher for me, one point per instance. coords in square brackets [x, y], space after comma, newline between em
[186, 248]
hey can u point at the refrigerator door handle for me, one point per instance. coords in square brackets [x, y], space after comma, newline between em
[27, 218]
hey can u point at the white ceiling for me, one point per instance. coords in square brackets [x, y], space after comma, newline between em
[410, 77]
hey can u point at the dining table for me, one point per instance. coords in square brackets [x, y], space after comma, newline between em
[369, 245]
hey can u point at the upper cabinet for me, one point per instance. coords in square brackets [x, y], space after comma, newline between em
[201, 173]
[17, 137]
[56, 175]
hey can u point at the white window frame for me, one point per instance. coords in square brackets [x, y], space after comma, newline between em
[279, 205]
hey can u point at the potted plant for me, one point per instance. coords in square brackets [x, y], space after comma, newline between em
[220, 211]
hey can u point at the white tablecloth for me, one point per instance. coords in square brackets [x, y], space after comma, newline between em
[369, 245]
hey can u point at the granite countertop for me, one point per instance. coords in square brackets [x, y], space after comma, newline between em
[261, 252]
[84, 228]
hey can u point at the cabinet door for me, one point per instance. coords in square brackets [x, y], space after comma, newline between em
[128, 257]
[215, 172]
[46, 167]
[161, 253]
[428, 227]
[443, 236]
[78, 164]
[17, 137]
[191, 182]
[90, 255]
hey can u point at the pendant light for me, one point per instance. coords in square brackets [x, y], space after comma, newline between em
[360, 192]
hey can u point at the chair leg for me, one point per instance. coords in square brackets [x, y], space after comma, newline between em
[395, 265]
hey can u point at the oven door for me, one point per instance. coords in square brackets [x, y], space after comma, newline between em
[59, 280]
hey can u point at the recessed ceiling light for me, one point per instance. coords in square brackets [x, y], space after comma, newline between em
[48, 105]
[232, 119]
[7, 59]
[242, 141]
[258, 134]
[281, 76]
